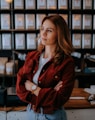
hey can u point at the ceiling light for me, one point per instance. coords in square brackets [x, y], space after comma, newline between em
[9, 1]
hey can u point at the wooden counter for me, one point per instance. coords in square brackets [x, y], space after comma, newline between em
[79, 103]
[71, 103]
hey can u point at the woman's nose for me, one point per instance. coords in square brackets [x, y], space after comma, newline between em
[44, 33]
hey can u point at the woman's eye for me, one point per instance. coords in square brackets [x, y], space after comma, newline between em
[49, 30]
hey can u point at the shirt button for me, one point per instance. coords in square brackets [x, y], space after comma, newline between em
[56, 76]
[43, 70]
[39, 81]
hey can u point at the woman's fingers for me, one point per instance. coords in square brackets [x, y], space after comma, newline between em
[58, 86]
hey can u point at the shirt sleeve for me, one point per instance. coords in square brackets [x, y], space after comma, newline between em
[21, 91]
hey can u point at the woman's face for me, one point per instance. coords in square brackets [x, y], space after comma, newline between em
[48, 33]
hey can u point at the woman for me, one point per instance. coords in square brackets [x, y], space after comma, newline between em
[46, 79]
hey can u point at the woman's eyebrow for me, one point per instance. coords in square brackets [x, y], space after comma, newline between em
[50, 28]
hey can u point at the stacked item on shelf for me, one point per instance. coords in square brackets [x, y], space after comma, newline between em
[3, 61]
[89, 63]
[8, 66]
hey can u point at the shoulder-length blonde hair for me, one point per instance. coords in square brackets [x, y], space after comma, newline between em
[64, 44]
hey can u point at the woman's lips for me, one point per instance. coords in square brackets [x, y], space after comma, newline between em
[44, 39]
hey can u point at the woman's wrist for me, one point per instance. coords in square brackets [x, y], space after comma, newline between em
[35, 89]
[36, 92]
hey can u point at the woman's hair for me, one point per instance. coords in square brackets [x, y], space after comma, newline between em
[64, 44]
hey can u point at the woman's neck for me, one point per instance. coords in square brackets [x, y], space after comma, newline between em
[49, 53]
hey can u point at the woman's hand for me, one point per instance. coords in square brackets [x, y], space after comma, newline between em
[58, 86]
[28, 85]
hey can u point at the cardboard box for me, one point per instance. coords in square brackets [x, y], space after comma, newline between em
[76, 4]
[62, 4]
[30, 21]
[30, 4]
[41, 4]
[4, 4]
[6, 41]
[5, 21]
[18, 4]
[20, 41]
[19, 21]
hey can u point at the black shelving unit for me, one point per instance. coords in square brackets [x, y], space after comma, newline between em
[69, 11]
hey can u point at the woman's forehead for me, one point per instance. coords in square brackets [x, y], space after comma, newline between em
[48, 24]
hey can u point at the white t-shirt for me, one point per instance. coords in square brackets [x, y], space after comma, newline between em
[42, 62]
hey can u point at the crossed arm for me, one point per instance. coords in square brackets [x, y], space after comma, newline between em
[29, 84]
